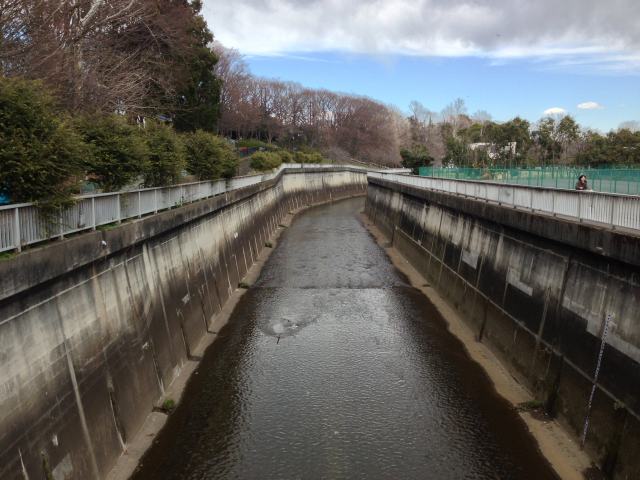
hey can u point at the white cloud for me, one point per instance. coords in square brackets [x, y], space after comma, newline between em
[554, 111]
[588, 32]
[590, 106]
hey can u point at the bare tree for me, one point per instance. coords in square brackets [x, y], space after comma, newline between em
[453, 112]
[420, 113]
[347, 126]
[631, 125]
[116, 55]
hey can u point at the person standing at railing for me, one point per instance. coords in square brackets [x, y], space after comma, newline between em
[581, 184]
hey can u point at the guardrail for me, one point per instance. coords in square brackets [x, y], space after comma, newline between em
[22, 224]
[613, 210]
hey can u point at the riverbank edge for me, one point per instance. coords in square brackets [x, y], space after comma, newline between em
[560, 449]
[156, 420]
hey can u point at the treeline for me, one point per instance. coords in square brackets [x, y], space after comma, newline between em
[46, 153]
[123, 92]
[454, 137]
[343, 126]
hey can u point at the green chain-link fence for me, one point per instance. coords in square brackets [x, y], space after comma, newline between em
[614, 180]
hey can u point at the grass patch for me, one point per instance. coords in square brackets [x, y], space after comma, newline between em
[7, 255]
[268, 244]
[107, 227]
[244, 285]
[530, 405]
[168, 406]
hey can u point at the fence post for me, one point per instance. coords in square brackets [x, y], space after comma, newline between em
[119, 211]
[139, 204]
[155, 200]
[93, 213]
[17, 240]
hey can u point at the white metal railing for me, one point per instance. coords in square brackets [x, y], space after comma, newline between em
[22, 224]
[611, 209]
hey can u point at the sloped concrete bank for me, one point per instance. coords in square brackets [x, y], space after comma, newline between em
[92, 335]
[540, 304]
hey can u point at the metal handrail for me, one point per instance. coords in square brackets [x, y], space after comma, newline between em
[22, 224]
[611, 209]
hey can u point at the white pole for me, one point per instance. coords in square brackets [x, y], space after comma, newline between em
[17, 240]
[93, 212]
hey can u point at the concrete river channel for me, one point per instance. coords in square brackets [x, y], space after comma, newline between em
[333, 367]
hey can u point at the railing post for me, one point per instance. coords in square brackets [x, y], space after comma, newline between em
[155, 200]
[119, 220]
[531, 200]
[17, 240]
[93, 213]
[139, 204]
[61, 223]
[580, 207]
[613, 206]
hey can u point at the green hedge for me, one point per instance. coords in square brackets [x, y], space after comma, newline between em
[119, 152]
[254, 143]
[167, 157]
[45, 154]
[307, 157]
[209, 157]
[264, 161]
[41, 156]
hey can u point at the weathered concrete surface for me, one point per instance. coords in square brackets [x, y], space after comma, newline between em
[54, 259]
[539, 303]
[86, 352]
[620, 244]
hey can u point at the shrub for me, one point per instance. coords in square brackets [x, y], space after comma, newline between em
[308, 157]
[119, 154]
[166, 155]
[209, 157]
[255, 143]
[316, 157]
[263, 161]
[41, 157]
[285, 156]
[418, 156]
[168, 406]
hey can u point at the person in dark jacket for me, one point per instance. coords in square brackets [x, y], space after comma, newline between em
[581, 184]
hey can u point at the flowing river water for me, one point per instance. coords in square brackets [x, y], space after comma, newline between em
[333, 367]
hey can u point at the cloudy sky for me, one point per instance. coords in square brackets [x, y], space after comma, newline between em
[509, 57]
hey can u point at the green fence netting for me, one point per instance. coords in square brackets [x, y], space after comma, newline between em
[613, 180]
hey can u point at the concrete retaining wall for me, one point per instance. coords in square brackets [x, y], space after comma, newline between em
[540, 304]
[91, 335]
